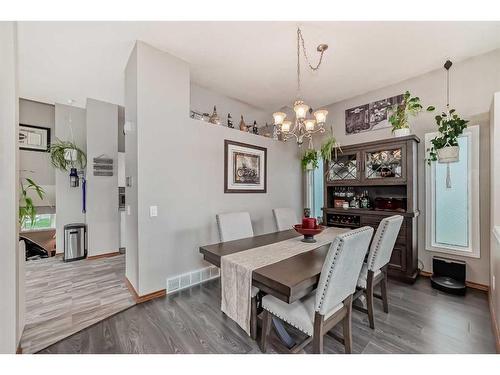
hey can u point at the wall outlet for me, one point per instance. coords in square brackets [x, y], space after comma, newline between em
[153, 211]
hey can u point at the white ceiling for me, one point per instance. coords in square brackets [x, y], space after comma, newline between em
[254, 62]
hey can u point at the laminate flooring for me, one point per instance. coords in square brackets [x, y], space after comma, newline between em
[64, 298]
[420, 320]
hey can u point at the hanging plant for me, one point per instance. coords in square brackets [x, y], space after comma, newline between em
[410, 106]
[328, 148]
[65, 155]
[27, 209]
[310, 159]
[445, 146]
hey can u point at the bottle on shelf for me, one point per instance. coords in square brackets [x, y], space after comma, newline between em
[255, 129]
[230, 121]
[243, 126]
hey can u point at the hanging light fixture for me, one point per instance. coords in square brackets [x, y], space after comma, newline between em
[302, 127]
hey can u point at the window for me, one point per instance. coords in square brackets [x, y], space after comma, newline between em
[452, 212]
[314, 190]
[42, 221]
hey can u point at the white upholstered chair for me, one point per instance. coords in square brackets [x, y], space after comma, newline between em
[331, 303]
[374, 271]
[285, 218]
[234, 226]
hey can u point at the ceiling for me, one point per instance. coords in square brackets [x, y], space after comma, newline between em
[254, 62]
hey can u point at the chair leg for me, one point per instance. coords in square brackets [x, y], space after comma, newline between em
[383, 292]
[253, 318]
[318, 334]
[266, 329]
[347, 325]
[369, 298]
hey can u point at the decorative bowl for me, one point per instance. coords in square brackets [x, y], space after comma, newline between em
[309, 233]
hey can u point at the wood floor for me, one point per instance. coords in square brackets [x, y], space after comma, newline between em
[63, 298]
[420, 320]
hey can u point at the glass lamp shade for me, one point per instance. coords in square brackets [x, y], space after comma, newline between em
[300, 110]
[309, 124]
[285, 127]
[320, 116]
[279, 117]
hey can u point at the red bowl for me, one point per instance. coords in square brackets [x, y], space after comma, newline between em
[309, 232]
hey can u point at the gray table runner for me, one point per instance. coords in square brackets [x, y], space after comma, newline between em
[236, 271]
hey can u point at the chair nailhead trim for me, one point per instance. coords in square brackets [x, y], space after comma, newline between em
[285, 320]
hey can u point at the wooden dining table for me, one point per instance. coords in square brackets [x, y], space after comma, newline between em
[288, 280]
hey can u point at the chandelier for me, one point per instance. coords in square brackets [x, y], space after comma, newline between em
[303, 126]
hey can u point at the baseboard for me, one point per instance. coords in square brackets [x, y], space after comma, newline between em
[470, 284]
[494, 323]
[146, 297]
[106, 255]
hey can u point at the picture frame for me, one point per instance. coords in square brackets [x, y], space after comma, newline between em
[245, 168]
[34, 138]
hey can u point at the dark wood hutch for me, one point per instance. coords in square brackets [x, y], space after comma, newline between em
[385, 172]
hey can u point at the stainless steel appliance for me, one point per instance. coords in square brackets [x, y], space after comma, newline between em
[75, 242]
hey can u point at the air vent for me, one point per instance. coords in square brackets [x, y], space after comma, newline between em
[189, 279]
[173, 284]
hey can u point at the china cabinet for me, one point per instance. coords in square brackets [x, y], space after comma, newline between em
[384, 173]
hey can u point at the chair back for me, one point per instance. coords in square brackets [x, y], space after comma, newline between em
[341, 269]
[383, 242]
[285, 218]
[233, 226]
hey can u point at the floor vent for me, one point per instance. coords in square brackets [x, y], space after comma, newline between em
[191, 278]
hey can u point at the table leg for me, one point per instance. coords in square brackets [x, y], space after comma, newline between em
[283, 334]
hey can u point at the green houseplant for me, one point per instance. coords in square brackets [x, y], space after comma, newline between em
[445, 146]
[400, 113]
[310, 159]
[329, 147]
[65, 155]
[27, 209]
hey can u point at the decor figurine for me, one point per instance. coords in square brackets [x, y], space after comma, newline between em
[243, 126]
[255, 129]
[214, 119]
[230, 121]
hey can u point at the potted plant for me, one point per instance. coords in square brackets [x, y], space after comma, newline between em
[310, 159]
[445, 146]
[329, 147]
[65, 155]
[27, 209]
[410, 106]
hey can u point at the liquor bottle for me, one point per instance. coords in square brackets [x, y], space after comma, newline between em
[255, 129]
[230, 121]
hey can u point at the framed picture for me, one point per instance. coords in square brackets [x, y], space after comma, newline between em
[245, 168]
[34, 138]
[371, 116]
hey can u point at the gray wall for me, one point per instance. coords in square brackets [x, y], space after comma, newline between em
[37, 114]
[203, 100]
[473, 83]
[69, 200]
[103, 219]
[12, 304]
[181, 171]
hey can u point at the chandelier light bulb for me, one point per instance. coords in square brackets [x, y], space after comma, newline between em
[300, 110]
[285, 127]
[279, 117]
[320, 116]
[309, 124]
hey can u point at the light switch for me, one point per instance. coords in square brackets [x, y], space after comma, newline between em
[153, 211]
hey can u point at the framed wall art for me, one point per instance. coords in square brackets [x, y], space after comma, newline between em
[34, 138]
[245, 168]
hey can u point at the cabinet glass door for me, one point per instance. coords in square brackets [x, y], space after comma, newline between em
[344, 168]
[386, 164]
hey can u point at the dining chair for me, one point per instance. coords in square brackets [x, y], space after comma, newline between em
[331, 303]
[374, 271]
[234, 226]
[285, 218]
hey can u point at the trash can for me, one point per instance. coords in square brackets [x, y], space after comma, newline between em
[75, 242]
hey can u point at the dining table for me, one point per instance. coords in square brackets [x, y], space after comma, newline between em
[289, 279]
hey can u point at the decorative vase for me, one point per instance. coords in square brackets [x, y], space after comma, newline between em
[214, 118]
[70, 154]
[243, 126]
[449, 154]
[403, 132]
[309, 166]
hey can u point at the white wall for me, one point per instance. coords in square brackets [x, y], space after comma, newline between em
[202, 100]
[181, 170]
[69, 200]
[12, 305]
[103, 219]
[473, 83]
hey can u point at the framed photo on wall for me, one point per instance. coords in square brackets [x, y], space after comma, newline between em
[34, 138]
[245, 168]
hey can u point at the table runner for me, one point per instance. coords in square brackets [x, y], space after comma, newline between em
[236, 271]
